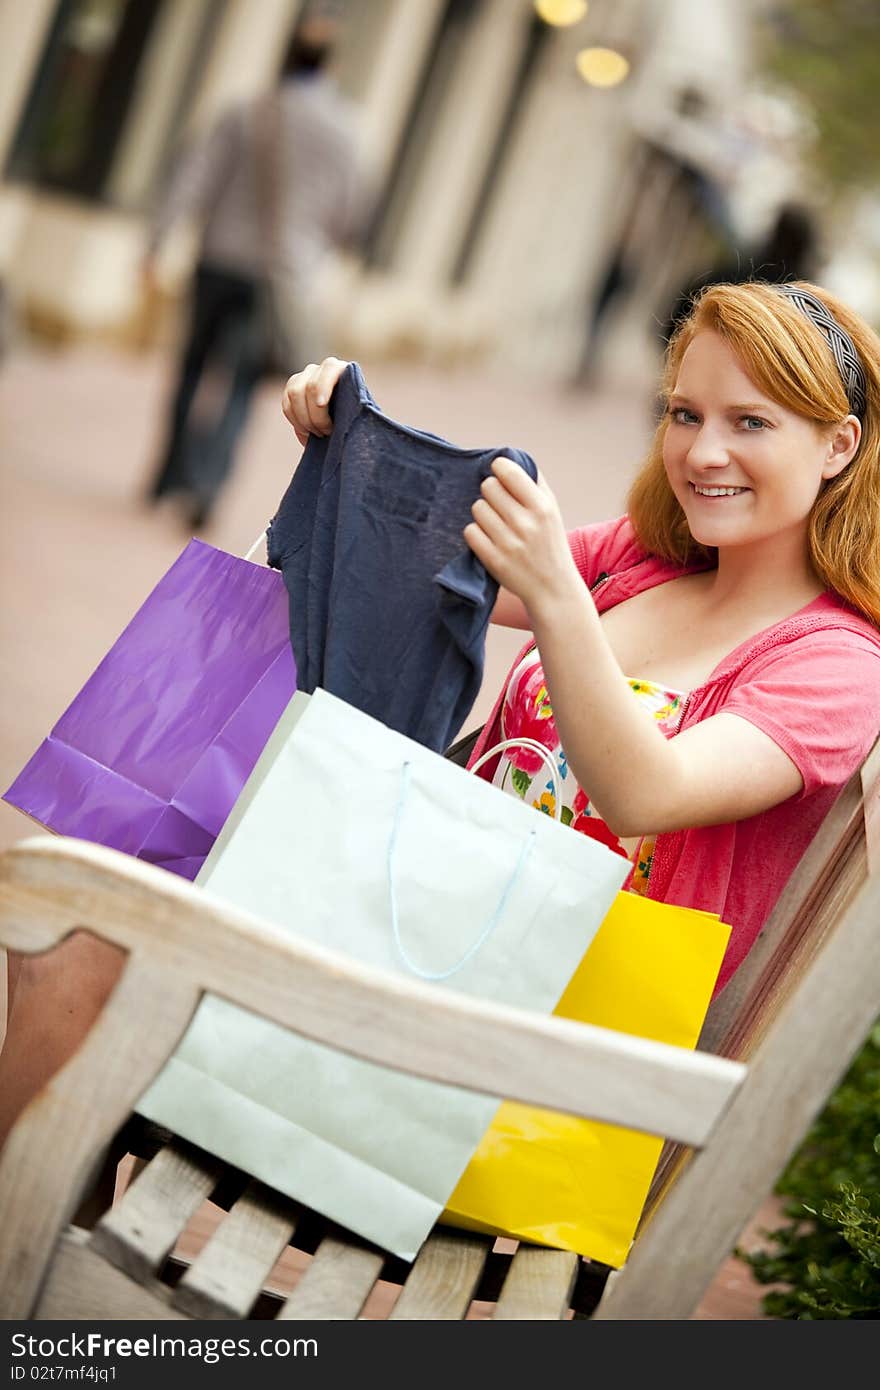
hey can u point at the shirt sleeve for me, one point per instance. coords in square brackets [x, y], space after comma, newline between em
[197, 175]
[818, 698]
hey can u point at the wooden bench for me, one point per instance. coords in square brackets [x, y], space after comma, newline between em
[775, 1045]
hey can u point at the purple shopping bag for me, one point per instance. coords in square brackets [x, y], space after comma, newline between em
[154, 750]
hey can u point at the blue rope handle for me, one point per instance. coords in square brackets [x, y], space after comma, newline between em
[493, 920]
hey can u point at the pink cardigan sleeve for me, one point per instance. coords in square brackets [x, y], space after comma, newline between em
[603, 547]
[818, 698]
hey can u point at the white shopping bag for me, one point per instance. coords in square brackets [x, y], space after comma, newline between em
[355, 836]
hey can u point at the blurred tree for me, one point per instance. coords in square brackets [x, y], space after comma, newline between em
[827, 51]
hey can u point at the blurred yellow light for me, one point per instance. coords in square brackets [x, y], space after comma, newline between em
[602, 67]
[561, 12]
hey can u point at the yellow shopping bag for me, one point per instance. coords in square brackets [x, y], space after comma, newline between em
[580, 1185]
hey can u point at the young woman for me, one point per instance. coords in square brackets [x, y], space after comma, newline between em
[705, 668]
[738, 600]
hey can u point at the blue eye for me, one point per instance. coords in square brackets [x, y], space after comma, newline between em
[681, 415]
[754, 422]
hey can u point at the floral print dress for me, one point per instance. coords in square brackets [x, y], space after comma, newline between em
[527, 713]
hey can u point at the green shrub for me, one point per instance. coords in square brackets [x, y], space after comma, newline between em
[828, 1255]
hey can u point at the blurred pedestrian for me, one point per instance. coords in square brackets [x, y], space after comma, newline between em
[635, 251]
[276, 185]
[787, 251]
[7, 322]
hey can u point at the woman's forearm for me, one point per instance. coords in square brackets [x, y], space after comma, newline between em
[621, 759]
[509, 611]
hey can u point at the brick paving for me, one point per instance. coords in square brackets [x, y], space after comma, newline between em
[79, 552]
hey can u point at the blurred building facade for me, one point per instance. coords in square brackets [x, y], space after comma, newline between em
[505, 183]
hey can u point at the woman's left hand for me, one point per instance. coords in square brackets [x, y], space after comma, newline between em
[519, 535]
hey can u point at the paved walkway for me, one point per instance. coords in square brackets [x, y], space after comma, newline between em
[79, 553]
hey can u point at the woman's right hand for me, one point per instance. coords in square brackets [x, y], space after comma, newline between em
[307, 394]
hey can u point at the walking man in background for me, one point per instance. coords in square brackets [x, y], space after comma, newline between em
[275, 186]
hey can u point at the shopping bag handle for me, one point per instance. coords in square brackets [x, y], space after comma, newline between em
[256, 545]
[526, 850]
[493, 920]
[536, 747]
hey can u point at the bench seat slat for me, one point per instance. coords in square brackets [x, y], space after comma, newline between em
[226, 1277]
[142, 1229]
[539, 1285]
[336, 1284]
[83, 1286]
[444, 1277]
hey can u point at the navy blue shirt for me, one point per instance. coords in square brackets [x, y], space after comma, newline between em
[388, 606]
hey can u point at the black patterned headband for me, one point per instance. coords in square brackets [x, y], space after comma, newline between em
[849, 364]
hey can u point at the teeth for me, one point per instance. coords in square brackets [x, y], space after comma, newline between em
[717, 491]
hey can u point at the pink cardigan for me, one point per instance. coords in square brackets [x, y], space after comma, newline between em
[811, 682]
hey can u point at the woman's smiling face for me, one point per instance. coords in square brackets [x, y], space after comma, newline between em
[743, 467]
